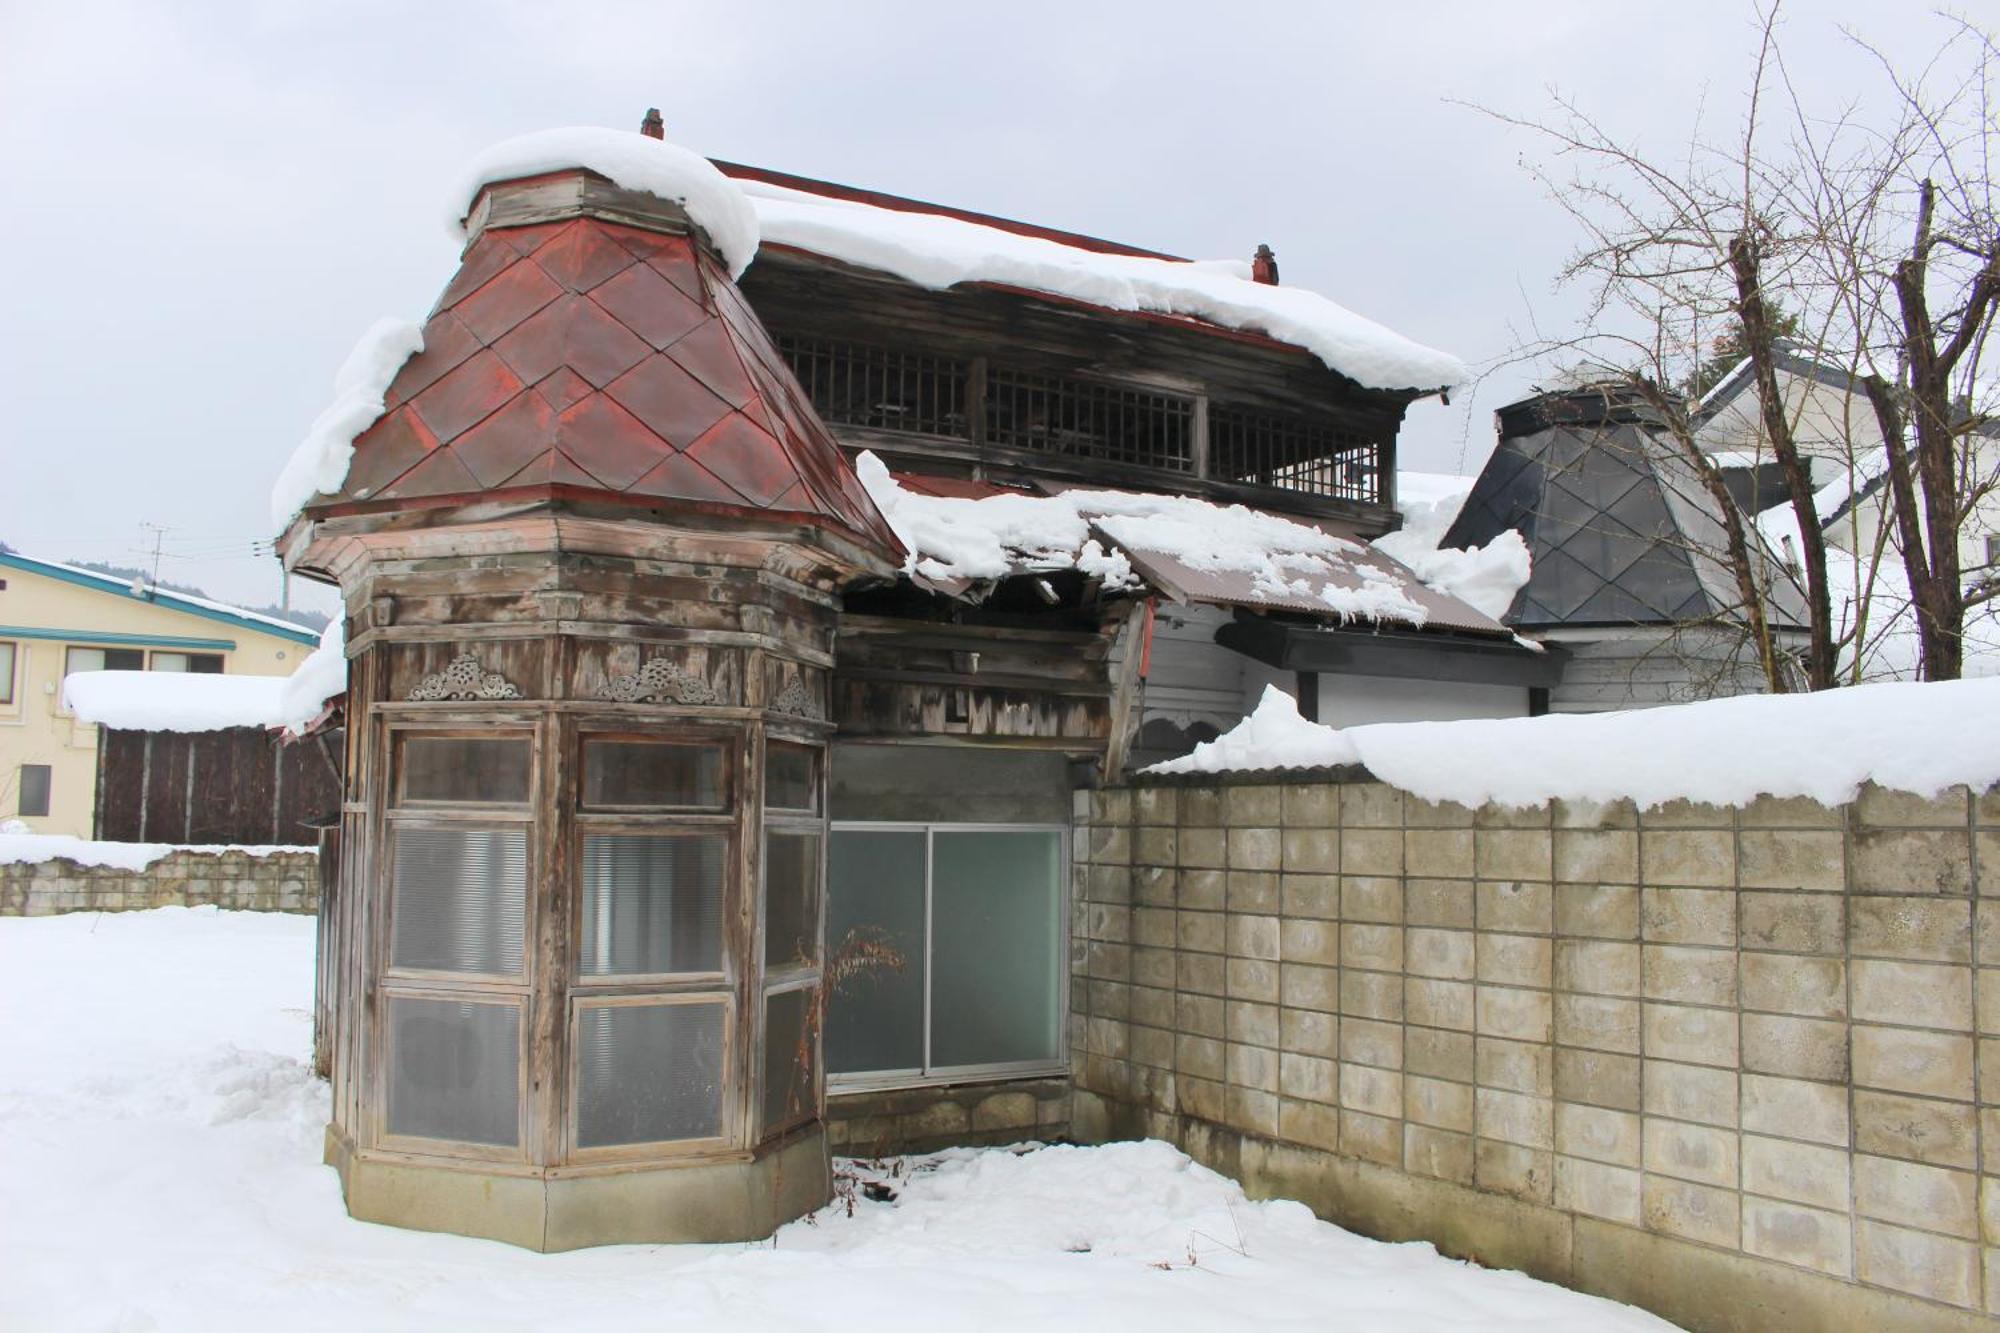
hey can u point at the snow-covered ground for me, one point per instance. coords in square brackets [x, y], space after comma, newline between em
[160, 1171]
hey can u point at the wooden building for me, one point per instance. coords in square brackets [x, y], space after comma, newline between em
[655, 719]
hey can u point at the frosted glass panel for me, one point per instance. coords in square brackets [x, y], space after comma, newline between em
[788, 1058]
[454, 1070]
[455, 768]
[788, 777]
[652, 903]
[648, 1073]
[996, 910]
[791, 906]
[652, 775]
[460, 899]
[875, 892]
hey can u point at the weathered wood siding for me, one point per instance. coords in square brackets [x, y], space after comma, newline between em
[241, 785]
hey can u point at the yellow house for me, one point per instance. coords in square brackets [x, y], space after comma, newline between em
[56, 619]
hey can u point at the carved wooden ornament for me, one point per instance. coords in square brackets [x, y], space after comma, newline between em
[464, 679]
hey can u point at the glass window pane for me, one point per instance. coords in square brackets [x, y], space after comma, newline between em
[35, 781]
[648, 1073]
[652, 903]
[104, 659]
[6, 673]
[996, 908]
[459, 768]
[454, 1070]
[788, 1058]
[875, 917]
[791, 898]
[460, 900]
[651, 774]
[788, 777]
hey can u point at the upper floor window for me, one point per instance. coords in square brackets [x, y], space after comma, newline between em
[103, 659]
[1087, 420]
[8, 656]
[201, 663]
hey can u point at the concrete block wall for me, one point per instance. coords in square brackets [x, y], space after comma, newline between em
[286, 881]
[1741, 1065]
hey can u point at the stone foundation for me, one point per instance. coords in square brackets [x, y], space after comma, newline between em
[904, 1120]
[1741, 1066]
[286, 881]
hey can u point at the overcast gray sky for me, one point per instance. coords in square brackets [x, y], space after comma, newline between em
[206, 203]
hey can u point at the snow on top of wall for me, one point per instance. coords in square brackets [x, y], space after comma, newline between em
[990, 538]
[1918, 738]
[1484, 577]
[635, 161]
[189, 701]
[936, 251]
[319, 465]
[35, 848]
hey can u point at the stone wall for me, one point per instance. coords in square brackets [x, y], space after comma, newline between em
[900, 1120]
[285, 881]
[1741, 1066]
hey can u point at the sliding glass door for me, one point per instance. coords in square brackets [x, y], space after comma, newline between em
[946, 945]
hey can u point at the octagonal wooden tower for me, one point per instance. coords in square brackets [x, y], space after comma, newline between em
[590, 557]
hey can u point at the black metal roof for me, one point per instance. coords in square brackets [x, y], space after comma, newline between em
[1619, 527]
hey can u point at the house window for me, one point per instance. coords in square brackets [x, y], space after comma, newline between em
[652, 1010]
[1292, 453]
[103, 659]
[1082, 419]
[207, 664]
[852, 384]
[8, 654]
[1993, 548]
[974, 915]
[35, 781]
[456, 978]
[791, 920]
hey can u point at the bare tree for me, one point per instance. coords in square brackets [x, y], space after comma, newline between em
[1832, 237]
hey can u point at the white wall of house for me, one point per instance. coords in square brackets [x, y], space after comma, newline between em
[1831, 425]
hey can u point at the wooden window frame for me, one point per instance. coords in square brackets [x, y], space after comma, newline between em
[459, 1149]
[729, 1094]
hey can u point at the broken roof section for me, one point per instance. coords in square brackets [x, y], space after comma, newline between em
[963, 535]
[1619, 528]
[938, 247]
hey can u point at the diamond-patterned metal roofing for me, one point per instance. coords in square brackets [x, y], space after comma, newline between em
[1619, 529]
[582, 356]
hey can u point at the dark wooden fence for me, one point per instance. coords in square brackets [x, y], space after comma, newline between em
[242, 785]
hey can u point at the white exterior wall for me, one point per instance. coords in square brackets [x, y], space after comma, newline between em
[1831, 426]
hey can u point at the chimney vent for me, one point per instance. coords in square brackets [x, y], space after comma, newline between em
[652, 126]
[1264, 267]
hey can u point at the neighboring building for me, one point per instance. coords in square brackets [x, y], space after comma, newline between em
[1628, 580]
[56, 619]
[1842, 442]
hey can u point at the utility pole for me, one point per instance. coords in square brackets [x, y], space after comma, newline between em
[159, 534]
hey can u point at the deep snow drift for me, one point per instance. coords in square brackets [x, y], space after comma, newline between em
[186, 701]
[160, 1172]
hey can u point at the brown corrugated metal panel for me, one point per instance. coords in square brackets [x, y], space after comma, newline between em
[1228, 587]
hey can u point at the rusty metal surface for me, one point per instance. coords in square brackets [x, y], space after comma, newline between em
[588, 356]
[1235, 588]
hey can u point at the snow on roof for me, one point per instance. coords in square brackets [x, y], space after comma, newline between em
[635, 161]
[1487, 577]
[35, 848]
[163, 597]
[1275, 560]
[1918, 738]
[938, 251]
[319, 465]
[187, 701]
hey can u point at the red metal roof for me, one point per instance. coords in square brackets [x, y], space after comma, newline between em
[903, 204]
[582, 358]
